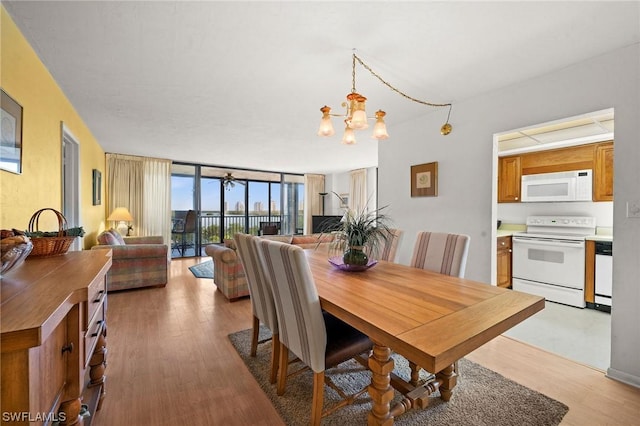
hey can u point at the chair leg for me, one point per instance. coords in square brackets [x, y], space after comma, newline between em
[318, 398]
[283, 368]
[254, 337]
[275, 353]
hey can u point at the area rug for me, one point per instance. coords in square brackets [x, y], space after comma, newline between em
[481, 397]
[203, 270]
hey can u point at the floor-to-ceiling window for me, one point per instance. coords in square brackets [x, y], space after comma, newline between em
[227, 201]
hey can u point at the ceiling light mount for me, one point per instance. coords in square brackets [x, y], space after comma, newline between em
[355, 117]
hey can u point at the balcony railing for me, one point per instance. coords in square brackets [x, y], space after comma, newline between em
[210, 230]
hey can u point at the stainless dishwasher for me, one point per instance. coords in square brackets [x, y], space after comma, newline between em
[604, 275]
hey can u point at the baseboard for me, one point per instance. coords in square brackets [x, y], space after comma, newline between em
[623, 377]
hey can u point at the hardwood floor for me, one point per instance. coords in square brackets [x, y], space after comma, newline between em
[170, 362]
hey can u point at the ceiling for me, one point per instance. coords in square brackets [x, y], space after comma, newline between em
[240, 84]
[592, 127]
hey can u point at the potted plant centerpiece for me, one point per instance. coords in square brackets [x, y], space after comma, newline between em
[361, 234]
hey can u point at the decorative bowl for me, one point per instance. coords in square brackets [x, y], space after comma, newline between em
[339, 263]
[13, 255]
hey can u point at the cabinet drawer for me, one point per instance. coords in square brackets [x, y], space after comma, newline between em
[93, 331]
[97, 294]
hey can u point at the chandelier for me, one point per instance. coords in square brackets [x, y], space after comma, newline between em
[355, 116]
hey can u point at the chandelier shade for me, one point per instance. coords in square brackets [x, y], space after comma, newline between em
[355, 116]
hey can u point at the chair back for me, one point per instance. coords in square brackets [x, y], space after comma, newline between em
[441, 252]
[261, 295]
[190, 222]
[390, 247]
[300, 321]
[269, 228]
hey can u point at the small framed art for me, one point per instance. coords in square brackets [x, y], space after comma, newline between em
[10, 134]
[424, 180]
[97, 187]
[344, 201]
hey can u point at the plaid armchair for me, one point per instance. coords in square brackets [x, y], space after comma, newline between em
[137, 261]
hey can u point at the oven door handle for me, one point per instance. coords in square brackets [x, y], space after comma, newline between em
[554, 243]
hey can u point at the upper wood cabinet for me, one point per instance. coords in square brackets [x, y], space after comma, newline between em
[603, 173]
[595, 156]
[509, 173]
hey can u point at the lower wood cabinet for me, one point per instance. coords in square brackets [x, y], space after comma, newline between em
[503, 261]
[53, 342]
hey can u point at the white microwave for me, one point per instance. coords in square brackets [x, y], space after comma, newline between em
[562, 186]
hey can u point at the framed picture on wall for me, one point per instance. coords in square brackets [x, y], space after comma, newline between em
[10, 134]
[344, 201]
[97, 187]
[424, 180]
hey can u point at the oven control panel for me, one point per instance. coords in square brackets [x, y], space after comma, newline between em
[562, 221]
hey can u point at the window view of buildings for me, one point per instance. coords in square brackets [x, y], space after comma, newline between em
[251, 200]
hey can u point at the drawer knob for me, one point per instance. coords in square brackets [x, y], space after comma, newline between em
[99, 297]
[67, 348]
[97, 332]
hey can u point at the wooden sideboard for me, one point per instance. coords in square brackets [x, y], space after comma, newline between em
[53, 342]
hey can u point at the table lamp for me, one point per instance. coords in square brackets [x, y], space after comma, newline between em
[121, 215]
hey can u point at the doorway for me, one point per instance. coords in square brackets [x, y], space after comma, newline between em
[71, 182]
[583, 335]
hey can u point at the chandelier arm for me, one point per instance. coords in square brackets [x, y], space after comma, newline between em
[391, 87]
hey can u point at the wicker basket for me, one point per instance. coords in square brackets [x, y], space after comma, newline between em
[50, 246]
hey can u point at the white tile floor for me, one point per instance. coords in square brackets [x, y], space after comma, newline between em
[582, 335]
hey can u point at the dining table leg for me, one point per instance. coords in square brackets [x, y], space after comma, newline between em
[448, 377]
[380, 390]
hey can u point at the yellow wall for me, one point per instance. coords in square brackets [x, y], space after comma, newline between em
[45, 107]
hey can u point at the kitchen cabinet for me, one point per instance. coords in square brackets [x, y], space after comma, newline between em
[503, 261]
[603, 173]
[509, 173]
[53, 343]
[590, 272]
[595, 156]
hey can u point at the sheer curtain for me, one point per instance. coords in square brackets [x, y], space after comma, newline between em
[313, 186]
[142, 185]
[156, 214]
[358, 190]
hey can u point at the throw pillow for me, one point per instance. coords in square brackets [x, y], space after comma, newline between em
[117, 236]
[230, 244]
[106, 238]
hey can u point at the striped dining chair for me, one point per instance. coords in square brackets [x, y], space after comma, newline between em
[443, 253]
[317, 338]
[390, 246]
[262, 305]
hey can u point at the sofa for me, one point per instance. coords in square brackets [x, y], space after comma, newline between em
[136, 261]
[228, 273]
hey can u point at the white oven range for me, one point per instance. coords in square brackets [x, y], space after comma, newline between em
[549, 258]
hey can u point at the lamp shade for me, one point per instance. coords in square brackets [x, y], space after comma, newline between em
[349, 137]
[380, 129]
[120, 214]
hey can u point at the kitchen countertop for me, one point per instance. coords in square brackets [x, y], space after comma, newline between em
[600, 237]
[508, 229]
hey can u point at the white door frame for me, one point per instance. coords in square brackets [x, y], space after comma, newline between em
[71, 182]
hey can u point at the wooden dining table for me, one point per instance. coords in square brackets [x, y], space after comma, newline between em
[429, 318]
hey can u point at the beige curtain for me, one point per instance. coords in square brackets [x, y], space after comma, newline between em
[313, 186]
[143, 186]
[156, 214]
[358, 190]
[125, 187]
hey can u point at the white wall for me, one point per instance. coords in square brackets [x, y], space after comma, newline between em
[339, 183]
[467, 170]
